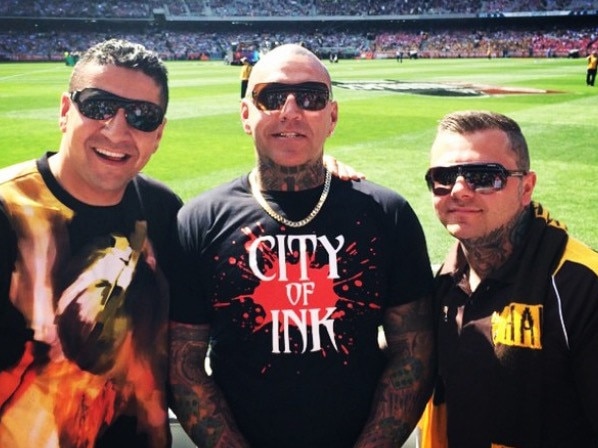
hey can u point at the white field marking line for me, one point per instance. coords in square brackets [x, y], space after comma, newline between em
[18, 75]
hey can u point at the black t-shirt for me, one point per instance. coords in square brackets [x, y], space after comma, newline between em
[294, 313]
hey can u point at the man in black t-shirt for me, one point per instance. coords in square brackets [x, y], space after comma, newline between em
[287, 275]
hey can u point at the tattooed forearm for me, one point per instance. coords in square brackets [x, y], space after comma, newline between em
[406, 383]
[197, 401]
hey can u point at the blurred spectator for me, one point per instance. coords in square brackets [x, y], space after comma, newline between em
[186, 45]
[278, 8]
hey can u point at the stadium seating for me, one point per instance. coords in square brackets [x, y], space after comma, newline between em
[279, 8]
[47, 30]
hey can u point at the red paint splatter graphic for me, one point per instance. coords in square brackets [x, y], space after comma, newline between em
[296, 282]
[316, 293]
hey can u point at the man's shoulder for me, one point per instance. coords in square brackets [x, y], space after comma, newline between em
[220, 194]
[157, 200]
[12, 172]
[148, 182]
[581, 254]
[378, 192]
[149, 187]
[216, 206]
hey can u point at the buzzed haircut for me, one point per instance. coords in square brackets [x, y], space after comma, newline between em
[126, 54]
[470, 121]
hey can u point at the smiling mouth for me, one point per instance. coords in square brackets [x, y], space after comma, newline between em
[111, 156]
[288, 134]
[464, 213]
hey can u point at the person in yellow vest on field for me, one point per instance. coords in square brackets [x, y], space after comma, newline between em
[245, 72]
[592, 66]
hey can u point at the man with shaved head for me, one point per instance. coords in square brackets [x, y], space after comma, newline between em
[287, 275]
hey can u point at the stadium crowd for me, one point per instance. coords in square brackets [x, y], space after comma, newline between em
[499, 43]
[179, 45]
[187, 45]
[280, 8]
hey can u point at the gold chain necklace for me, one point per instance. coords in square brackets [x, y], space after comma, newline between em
[257, 194]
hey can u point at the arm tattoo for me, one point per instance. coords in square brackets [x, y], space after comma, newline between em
[407, 382]
[197, 400]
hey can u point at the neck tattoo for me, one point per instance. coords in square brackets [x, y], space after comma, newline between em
[257, 194]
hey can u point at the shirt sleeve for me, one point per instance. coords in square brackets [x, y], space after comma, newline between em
[13, 331]
[412, 272]
[187, 301]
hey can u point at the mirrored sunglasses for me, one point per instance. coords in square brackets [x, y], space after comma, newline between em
[308, 95]
[484, 178]
[98, 104]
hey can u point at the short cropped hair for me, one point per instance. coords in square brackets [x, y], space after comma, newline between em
[469, 121]
[122, 53]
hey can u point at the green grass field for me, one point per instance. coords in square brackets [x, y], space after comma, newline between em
[383, 133]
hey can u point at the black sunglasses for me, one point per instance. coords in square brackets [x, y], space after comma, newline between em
[98, 104]
[482, 177]
[308, 95]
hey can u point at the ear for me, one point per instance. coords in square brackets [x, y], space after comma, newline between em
[333, 117]
[245, 112]
[160, 133]
[65, 105]
[528, 185]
